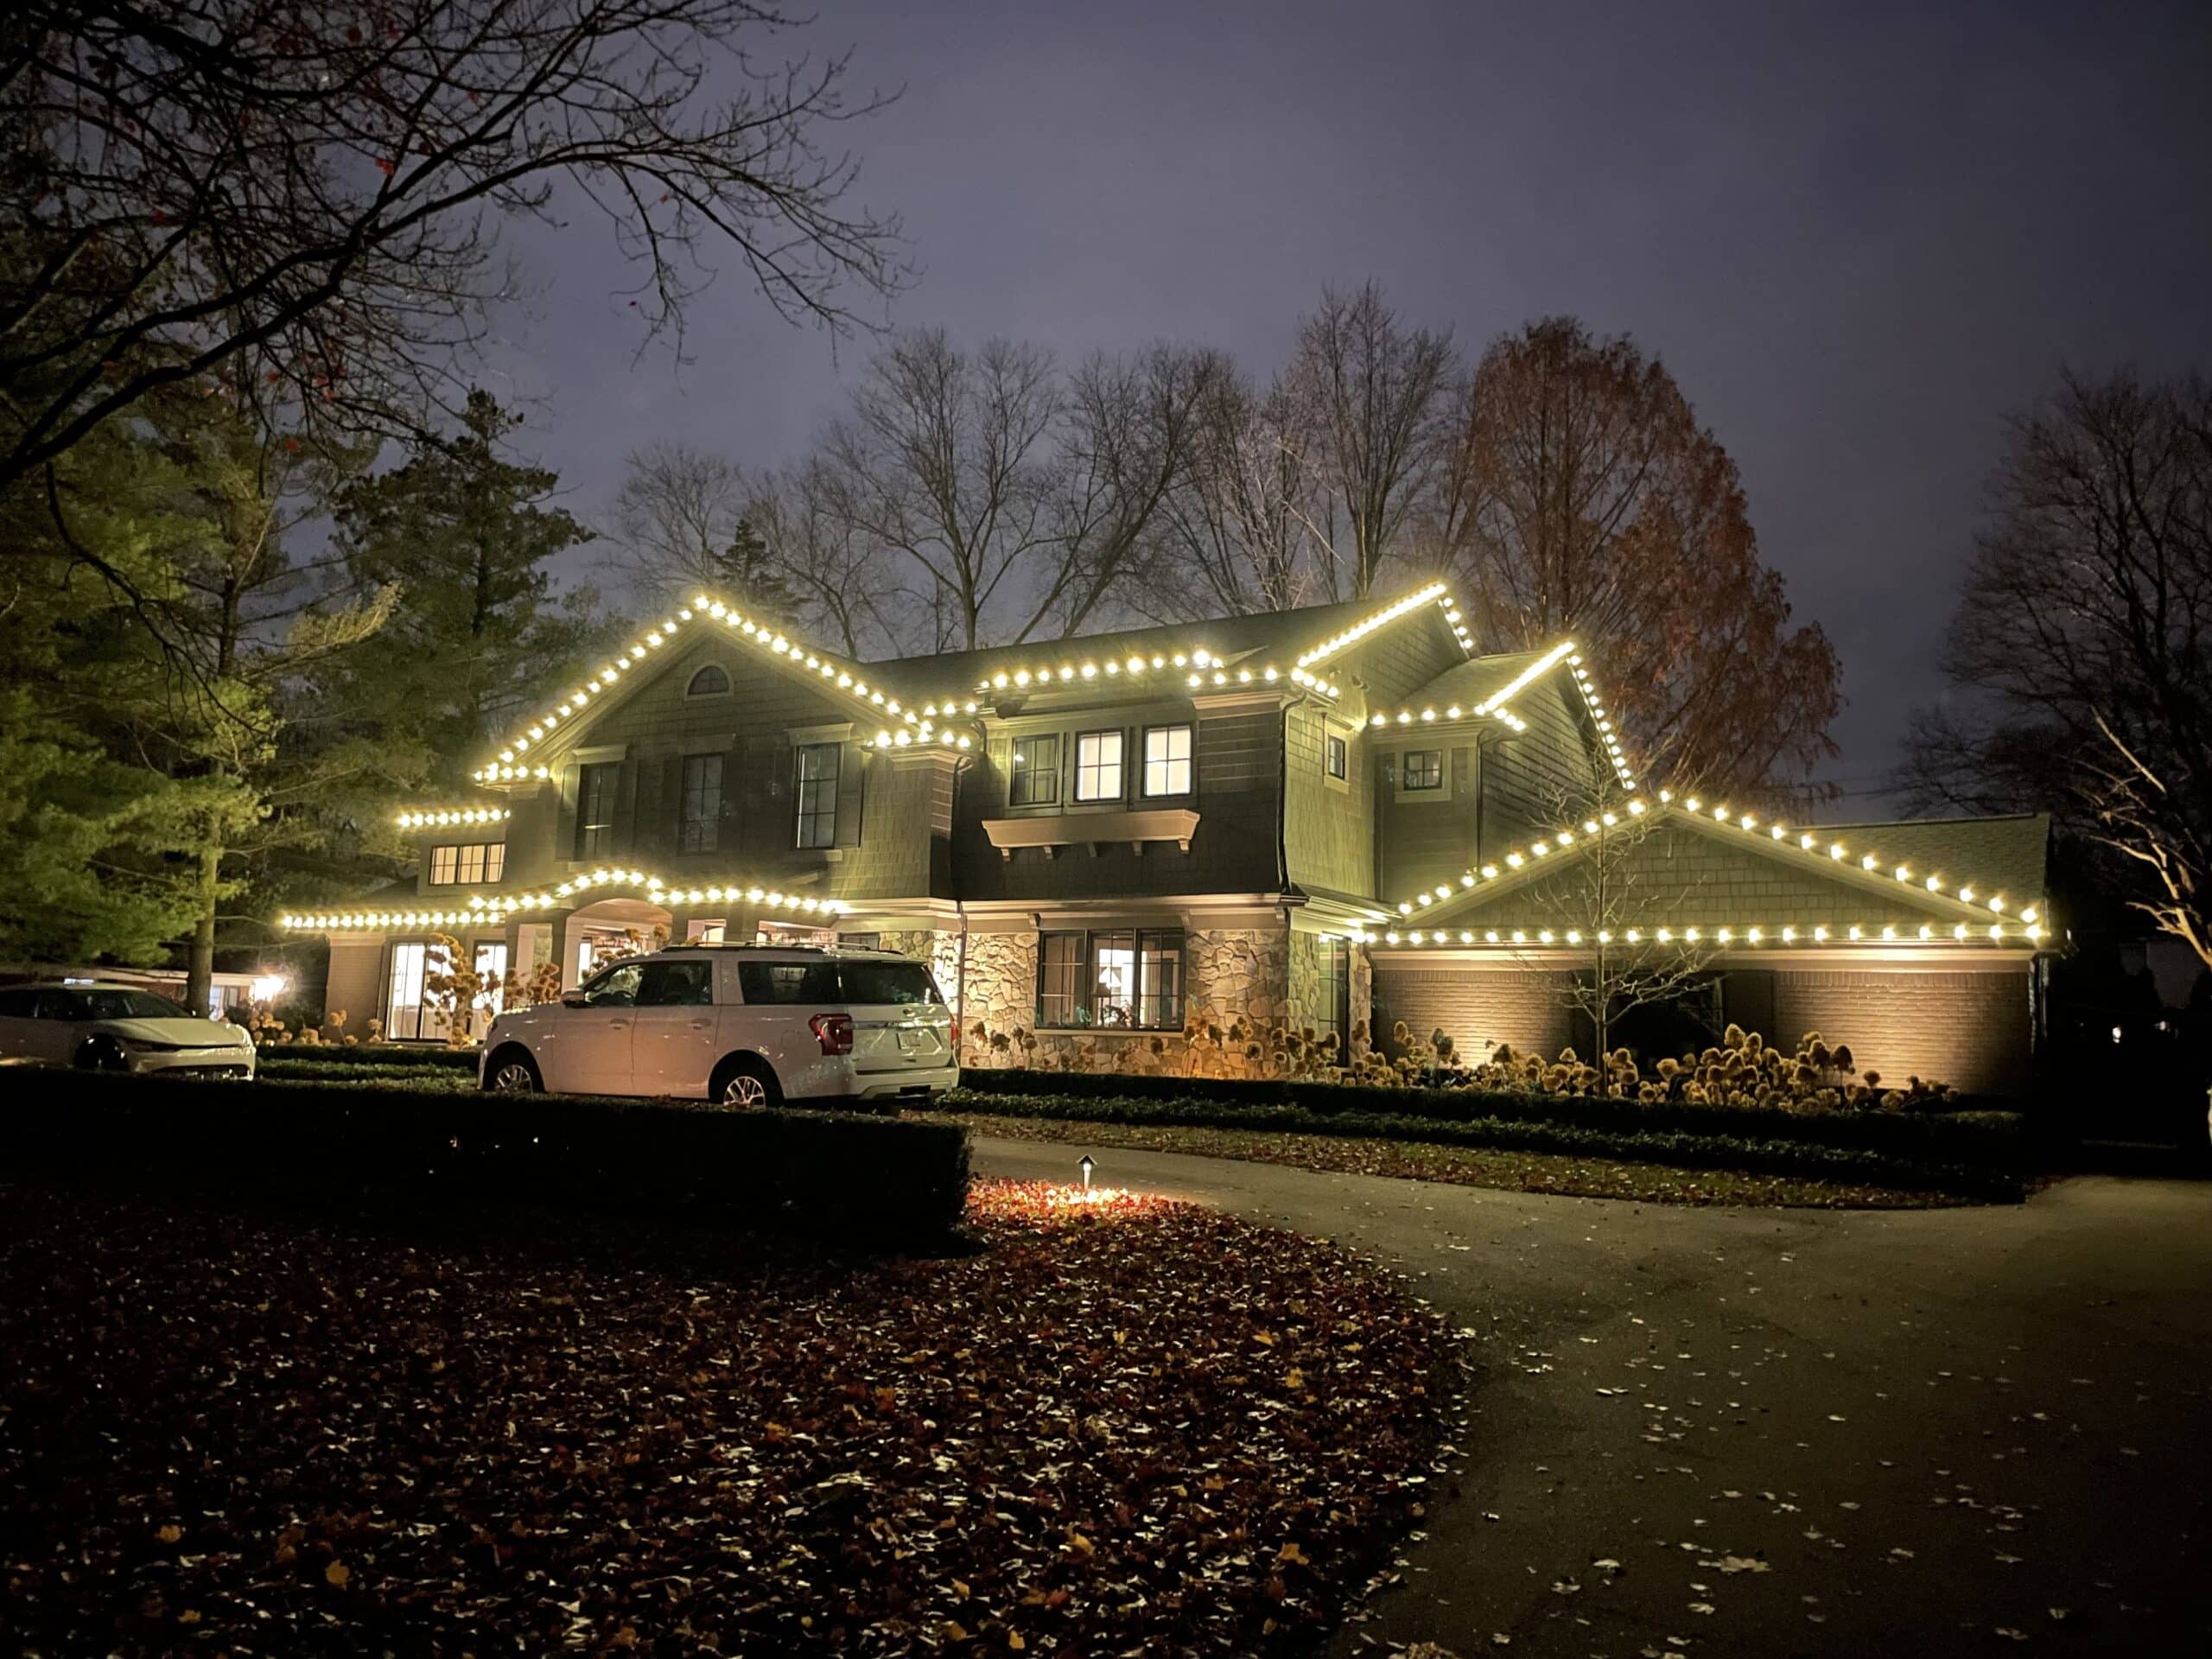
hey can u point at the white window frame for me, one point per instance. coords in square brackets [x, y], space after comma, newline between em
[1093, 769]
[1169, 773]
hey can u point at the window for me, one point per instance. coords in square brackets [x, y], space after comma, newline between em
[1167, 760]
[675, 985]
[701, 930]
[699, 828]
[1332, 991]
[887, 984]
[596, 809]
[787, 981]
[1036, 772]
[470, 866]
[103, 1002]
[818, 793]
[1128, 980]
[617, 987]
[404, 1004]
[858, 984]
[1059, 979]
[708, 682]
[1339, 756]
[1424, 769]
[1098, 766]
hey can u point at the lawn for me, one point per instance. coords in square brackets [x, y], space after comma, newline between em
[1515, 1172]
[1124, 1426]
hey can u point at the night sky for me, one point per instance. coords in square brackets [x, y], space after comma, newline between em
[1856, 240]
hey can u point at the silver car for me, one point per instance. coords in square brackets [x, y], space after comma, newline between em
[109, 1027]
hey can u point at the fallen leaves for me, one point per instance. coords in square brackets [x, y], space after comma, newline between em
[1127, 1424]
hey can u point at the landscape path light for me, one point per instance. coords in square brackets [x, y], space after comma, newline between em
[1086, 1166]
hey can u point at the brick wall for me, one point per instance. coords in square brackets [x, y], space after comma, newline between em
[1475, 1007]
[1968, 1030]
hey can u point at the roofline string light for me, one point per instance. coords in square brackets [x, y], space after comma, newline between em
[675, 892]
[1603, 721]
[1390, 612]
[1802, 843]
[1788, 935]
[923, 726]
[440, 817]
[1200, 668]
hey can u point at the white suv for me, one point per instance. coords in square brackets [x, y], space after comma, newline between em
[744, 1025]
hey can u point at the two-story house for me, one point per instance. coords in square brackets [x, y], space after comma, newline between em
[1313, 817]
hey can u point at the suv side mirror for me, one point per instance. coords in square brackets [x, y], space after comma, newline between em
[573, 999]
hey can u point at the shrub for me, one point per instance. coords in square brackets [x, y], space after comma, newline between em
[1959, 1166]
[381, 1054]
[873, 1180]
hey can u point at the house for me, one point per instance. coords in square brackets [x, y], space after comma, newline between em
[1313, 816]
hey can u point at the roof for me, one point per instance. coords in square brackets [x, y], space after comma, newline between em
[1270, 633]
[2006, 855]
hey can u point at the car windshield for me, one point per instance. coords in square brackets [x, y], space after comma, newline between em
[103, 1002]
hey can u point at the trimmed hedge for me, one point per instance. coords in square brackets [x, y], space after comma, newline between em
[1983, 1139]
[880, 1181]
[458, 1059]
[1674, 1149]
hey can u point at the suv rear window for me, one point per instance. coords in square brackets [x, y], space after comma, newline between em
[862, 984]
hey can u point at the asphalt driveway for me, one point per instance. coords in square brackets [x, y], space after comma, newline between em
[1788, 1432]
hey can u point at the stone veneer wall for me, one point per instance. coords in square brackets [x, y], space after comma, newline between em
[1307, 1005]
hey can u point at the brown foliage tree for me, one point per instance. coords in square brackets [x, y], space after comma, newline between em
[1583, 498]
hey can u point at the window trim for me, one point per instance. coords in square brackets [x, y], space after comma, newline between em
[1407, 787]
[710, 822]
[1016, 772]
[1188, 763]
[691, 684]
[1120, 763]
[800, 783]
[612, 771]
[1335, 746]
[1083, 1014]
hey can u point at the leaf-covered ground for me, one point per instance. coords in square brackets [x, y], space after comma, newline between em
[1127, 1427]
[1515, 1172]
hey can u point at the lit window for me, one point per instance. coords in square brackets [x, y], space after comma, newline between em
[1339, 756]
[818, 793]
[495, 861]
[699, 826]
[471, 865]
[444, 862]
[1098, 766]
[1424, 769]
[1036, 772]
[1167, 760]
[1128, 980]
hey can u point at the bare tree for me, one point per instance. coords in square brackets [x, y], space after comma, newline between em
[1242, 531]
[306, 195]
[1583, 498]
[1017, 499]
[1613, 908]
[689, 519]
[841, 585]
[1373, 390]
[2081, 654]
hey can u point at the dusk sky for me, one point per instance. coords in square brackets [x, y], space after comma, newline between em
[1857, 240]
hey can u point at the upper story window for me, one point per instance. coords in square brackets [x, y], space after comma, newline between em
[471, 865]
[711, 681]
[595, 807]
[1338, 756]
[1167, 760]
[699, 821]
[818, 765]
[1036, 780]
[1098, 766]
[1424, 769]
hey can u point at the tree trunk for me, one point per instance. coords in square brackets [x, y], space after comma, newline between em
[199, 965]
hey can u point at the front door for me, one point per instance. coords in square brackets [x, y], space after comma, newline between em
[673, 1046]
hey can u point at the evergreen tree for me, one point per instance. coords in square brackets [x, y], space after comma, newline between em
[480, 630]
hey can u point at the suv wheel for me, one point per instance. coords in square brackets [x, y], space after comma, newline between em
[513, 1072]
[745, 1084]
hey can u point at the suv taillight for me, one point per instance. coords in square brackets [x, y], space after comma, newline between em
[834, 1032]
